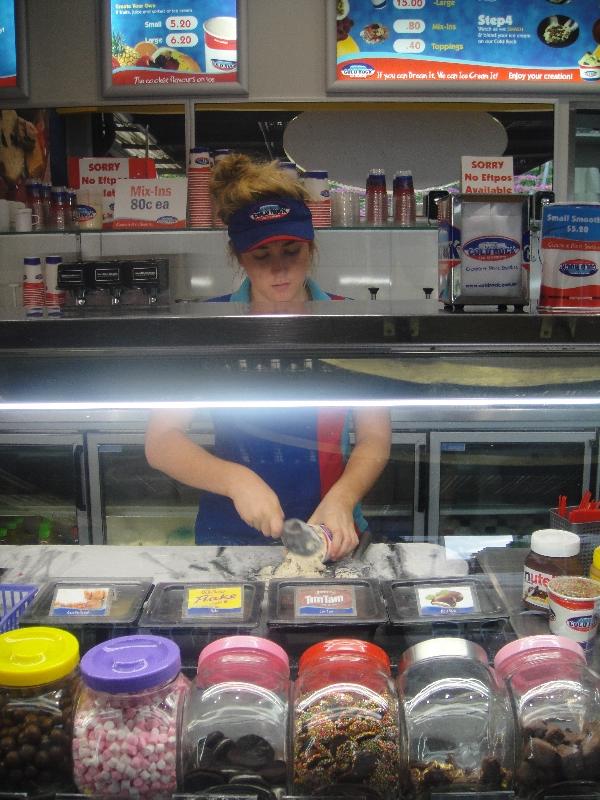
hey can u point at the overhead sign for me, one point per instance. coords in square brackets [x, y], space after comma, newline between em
[170, 46]
[468, 43]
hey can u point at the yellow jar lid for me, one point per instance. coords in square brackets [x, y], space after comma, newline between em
[596, 560]
[36, 655]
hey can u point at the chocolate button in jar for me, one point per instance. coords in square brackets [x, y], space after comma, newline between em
[251, 751]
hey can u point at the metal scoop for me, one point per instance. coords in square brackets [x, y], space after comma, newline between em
[301, 538]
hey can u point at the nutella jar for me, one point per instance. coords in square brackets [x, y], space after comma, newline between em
[553, 552]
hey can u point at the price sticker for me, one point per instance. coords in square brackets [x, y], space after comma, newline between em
[404, 5]
[409, 26]
[409, 45]
[187, 23]
[214, 601]
[181, 39]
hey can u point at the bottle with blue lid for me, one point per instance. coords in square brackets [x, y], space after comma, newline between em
[125, 726]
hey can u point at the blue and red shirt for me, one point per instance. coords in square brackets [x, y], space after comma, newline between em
[300, 453]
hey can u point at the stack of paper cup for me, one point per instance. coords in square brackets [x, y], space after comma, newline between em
[199, 209]
[33, 286]
[55, 296]
[317, 185]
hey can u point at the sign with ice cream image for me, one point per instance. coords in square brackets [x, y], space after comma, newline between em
[553, 43]
[174, 45]
[445, 600]
[8, 45]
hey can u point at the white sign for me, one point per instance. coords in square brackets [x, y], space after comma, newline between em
[487, 175]
[149, 204]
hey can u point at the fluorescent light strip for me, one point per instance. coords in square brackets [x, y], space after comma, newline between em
[451, 402]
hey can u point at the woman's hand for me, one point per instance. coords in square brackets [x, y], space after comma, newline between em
[336, 513]
[256, 503]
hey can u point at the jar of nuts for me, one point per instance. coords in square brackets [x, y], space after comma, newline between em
[39, 681]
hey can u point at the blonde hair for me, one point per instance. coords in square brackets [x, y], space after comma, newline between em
[238, 180]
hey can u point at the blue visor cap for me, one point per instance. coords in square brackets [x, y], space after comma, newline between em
[270, 220]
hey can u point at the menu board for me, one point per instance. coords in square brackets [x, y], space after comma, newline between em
[479, 45]
[173, 47]
[12, 60]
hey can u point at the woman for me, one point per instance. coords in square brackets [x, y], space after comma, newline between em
[268, 464]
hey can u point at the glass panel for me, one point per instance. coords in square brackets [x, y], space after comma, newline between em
[389, 506]
[586, 183]
[38, 494]
[142, 505]
[505, 489]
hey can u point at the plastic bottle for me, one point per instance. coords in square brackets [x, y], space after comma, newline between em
[4, 536]
[45, 532]
[595, 565]
[405, 210]
[46, 201]
[376, 198]
[59, 209]
[35, 202]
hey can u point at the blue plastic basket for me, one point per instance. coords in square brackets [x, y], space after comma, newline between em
[14, 599]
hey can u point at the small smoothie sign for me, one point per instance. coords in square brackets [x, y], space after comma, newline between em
[177, 47]
[470, 43]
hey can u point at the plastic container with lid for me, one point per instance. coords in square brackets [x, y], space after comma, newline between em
[39, 681]
[346, 729]
[556, 699]
[234, 721]
[459, 724]
[553, 552]
[93, 610]
[125, 725]
[194, 614]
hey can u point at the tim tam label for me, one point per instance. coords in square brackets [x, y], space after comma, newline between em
[534, 587]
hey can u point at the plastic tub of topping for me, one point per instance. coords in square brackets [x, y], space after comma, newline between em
[92, 610]
[303, 612]
[467, 607]
[194, 614]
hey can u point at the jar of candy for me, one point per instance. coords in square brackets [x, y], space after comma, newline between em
[235, 718]
[39, 680]
[346, 730]
[125, 725]
[556, 698]
[459, 723]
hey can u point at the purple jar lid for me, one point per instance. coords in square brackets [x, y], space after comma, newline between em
[130, 664]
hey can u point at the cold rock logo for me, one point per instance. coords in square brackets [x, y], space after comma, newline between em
[222, 65]
[269, 212]
[85, 213]
[491, 248]
[578, 268]
[582, 624]
[358, 71]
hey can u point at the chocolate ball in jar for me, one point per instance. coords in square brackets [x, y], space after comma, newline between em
[125, 725]
[39, 681]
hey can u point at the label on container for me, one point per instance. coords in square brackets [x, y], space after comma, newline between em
[570, 251]
[445, 600]
[314, 601]
[534, 587]
[214, 601]
[80, 601]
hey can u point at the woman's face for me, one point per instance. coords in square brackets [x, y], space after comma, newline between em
[277, 270]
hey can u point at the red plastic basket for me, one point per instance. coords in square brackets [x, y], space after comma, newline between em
[14, 599]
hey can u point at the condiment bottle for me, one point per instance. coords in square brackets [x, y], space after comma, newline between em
[59, 209]
[376, 198]
[553, 552]
[36, 203]
[405, 211]
[595, 565]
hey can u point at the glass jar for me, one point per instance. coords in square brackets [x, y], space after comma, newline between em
[556, 698]
[459, 723]
[235, 717]
[39, 680]
[346, 730]
[126, 718]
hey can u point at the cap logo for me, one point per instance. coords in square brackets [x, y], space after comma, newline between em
[269, 212]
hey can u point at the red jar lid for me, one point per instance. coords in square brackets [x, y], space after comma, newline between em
[335, 647]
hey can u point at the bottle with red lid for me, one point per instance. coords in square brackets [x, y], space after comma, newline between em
[346, 729]
[234, 721]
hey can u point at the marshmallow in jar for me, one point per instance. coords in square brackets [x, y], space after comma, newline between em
[125, 726]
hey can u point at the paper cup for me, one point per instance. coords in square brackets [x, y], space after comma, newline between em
[573, 603]
[23, 220]
[220, 44]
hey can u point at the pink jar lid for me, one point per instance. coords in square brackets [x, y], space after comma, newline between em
[233, 644]
[530, 644]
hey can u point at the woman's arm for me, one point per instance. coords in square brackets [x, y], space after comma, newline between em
[169, 449]
[366, 463]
